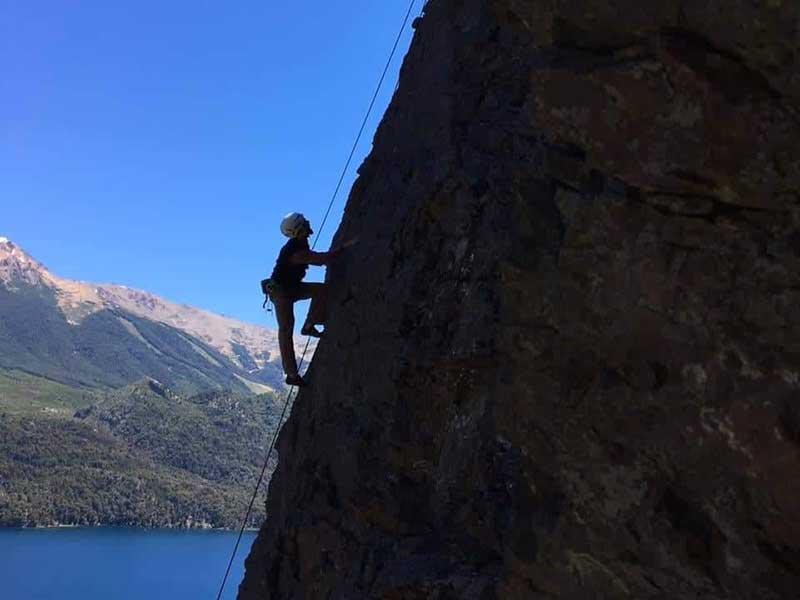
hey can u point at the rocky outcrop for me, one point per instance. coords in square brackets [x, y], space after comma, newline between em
[565, 355]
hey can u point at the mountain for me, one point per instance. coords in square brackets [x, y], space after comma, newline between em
[564, 362]
[104, 335]
[139, 456]
[118, 407]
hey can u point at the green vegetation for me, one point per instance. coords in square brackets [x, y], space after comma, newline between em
[23, 393]
[218, 436]
[80, 443]
[107, 349]
[141, 456]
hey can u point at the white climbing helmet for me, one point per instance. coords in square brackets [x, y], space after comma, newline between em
[293, 224]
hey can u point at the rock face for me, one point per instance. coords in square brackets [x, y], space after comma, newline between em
[564, 360]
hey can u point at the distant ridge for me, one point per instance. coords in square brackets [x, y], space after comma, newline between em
[110, 335]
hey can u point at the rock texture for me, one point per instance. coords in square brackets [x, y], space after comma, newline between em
[565, 355]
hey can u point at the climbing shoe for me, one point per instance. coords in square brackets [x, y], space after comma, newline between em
[295, 380]
[311, 331]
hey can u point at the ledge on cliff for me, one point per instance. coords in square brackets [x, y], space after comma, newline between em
[564, 360]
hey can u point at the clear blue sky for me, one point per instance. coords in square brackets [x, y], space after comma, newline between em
[158, 144]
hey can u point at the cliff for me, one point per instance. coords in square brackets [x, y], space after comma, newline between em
[564, 358]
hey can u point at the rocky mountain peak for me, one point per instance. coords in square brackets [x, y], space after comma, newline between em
[17, 266]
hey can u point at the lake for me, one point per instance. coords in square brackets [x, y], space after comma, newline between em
[118, 564]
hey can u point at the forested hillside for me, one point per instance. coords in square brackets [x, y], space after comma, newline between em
[140, 456]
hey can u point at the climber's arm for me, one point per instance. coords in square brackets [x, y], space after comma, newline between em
[309, 257]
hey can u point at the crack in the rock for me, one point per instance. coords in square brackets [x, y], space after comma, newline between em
[736, 82]
[585, 59]
[719, 208]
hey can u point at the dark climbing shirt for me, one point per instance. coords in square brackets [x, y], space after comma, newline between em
[285, 272]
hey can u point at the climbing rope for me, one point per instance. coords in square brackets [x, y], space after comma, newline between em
[308, 339]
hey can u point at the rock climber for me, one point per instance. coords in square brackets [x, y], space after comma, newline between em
[287, 287]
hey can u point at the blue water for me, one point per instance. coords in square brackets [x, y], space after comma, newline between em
[118, 564]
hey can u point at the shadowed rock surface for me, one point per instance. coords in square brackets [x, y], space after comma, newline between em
[564, 359]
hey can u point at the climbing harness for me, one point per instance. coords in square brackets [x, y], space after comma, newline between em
[265, 288]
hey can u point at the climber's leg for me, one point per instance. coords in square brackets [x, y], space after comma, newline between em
[318, 311]
[284, 312]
